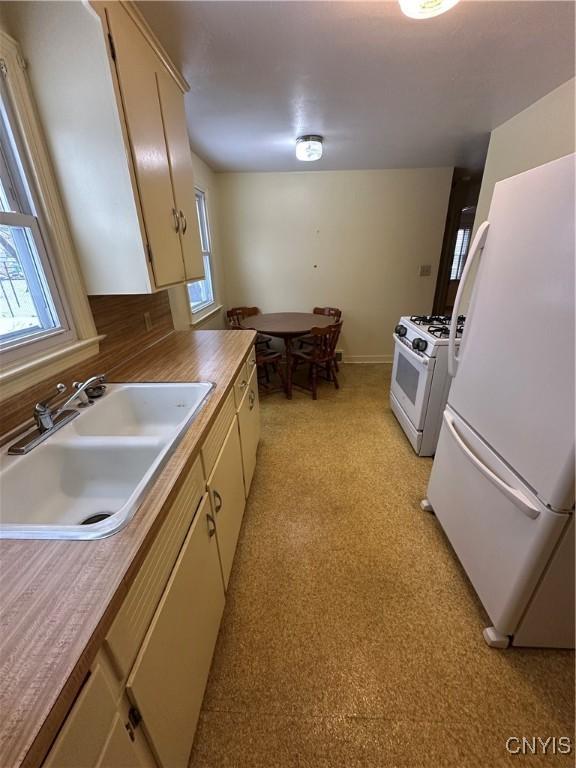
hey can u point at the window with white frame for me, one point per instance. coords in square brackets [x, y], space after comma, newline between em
[462, 242]
[460, 252]
[31, 308]
[201, 293]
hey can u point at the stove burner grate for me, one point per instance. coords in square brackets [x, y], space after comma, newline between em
[437, 321]
[443, 331]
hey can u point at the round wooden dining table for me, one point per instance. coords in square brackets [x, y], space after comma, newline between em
[287, 326]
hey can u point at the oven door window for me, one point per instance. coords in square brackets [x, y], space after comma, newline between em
[411, 380]
[407, 377]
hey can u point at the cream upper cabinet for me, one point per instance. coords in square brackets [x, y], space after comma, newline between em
[168, 679]
[139, 76]
[174, 118]
[112, 108]
[226, 487]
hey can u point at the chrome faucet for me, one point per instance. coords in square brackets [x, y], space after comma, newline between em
[87, 391]
[48, 420]
[84, 392]
[43, 415]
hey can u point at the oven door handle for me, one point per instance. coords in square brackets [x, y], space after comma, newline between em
[423, 361]
[475, 252]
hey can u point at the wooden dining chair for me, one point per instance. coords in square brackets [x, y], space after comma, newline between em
[306, 341]
[329, 311]
[266, 358]
[235, 317]
[320, 356]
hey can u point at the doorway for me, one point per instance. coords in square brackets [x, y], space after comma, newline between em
[457, 234]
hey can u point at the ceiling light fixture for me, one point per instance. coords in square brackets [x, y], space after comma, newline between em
[309, 147]
[426, 9]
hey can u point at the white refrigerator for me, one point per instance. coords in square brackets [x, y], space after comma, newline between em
[502, 483]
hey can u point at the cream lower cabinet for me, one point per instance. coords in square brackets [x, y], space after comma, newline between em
[126, 746]
[140, 704]
[98, 732]
[226, 488]
[168, 679]
[249, 425]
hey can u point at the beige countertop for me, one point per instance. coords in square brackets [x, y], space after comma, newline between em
[58, 598]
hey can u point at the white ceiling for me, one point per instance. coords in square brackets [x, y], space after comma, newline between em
[384, 90]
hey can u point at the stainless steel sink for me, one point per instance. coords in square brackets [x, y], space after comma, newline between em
[88, 479]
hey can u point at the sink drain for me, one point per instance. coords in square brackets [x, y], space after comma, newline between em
[96, 518]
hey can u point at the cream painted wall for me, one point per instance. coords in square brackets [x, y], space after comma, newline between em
[541, 133]
[204, 179]
[352, 239]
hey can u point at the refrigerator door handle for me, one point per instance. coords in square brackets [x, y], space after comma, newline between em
[515, 496]
[475, 252]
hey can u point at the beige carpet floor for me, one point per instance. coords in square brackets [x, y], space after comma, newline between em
[351, 636]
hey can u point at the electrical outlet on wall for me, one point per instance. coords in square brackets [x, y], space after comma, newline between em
[425, 270]
[148, 321]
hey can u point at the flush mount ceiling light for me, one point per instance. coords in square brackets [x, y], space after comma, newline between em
[426, 9]
[309, 147]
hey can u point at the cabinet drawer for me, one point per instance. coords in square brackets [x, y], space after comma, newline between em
[241, 384]
[249, 424]
[251, 362]
[86, 729]
[130, 625]
[214, 441]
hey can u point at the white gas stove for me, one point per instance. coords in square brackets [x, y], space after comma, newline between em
[420, 380]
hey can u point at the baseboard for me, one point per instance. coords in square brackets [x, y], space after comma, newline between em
[362, 359]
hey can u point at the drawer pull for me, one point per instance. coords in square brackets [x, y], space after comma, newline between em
[252, 399]
[243, 384]
[211, 525]
[217, 501]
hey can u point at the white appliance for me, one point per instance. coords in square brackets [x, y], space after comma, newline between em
[502, 483]
[420, 379]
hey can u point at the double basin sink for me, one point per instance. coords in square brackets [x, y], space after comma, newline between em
[87, 479]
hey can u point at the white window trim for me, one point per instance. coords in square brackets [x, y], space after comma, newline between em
[47, 339]
[205, 310]
[19, 375]
[202, 315]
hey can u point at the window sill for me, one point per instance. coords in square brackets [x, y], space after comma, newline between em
[25, 374]
[205, 314]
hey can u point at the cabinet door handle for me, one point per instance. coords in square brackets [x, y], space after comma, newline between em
[184, 223]
[176, 220]
[217, 501]
[211, 525]
[252, 399]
